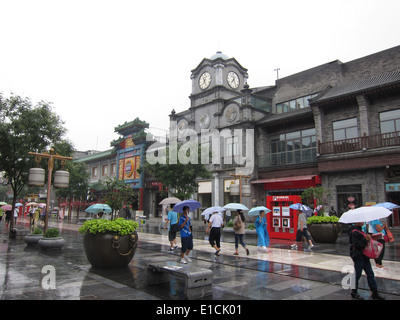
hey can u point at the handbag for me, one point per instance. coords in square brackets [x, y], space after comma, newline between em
[373, 248]
[389, 235]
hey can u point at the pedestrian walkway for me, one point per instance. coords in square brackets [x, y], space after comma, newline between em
[279, 274]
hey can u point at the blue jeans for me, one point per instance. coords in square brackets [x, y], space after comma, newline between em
[239, 238]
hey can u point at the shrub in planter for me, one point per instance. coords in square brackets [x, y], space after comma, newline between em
[51, 240]
[34, 237]
[109, 243]
[324, 229]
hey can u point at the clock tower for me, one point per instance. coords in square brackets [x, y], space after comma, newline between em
[218, 76]
[222, 117]
[215, 81]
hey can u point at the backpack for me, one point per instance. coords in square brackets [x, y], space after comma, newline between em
[238, 224]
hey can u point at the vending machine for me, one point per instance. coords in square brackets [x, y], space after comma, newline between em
[282, 221]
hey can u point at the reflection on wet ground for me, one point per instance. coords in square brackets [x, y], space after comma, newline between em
[235, 277]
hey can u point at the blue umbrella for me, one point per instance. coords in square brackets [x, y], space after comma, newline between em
[256, 211]
[192, 204]
[98, 207]
[387, 205]
[235, 206]
[299, 206]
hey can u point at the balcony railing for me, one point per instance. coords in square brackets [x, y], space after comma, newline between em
[365, 142]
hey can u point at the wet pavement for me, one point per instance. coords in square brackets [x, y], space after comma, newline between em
[279, 274]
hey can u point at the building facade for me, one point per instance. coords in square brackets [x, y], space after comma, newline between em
[335, 125]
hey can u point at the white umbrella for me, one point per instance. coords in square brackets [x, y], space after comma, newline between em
[211, 210]
[171, 200]
[364, 214]
[235, 206]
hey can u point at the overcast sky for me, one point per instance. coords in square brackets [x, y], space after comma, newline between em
[104, 62]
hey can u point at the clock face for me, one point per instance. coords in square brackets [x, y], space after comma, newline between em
[233, 79]
[205, 80]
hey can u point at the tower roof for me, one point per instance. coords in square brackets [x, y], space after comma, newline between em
[219, 54]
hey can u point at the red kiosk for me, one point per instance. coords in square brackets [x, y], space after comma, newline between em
[282, 221]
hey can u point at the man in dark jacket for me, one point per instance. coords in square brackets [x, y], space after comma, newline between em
[358, 241]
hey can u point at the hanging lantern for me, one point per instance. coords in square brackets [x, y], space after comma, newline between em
[246, 190]
[36, 177]
[61, 179]
[234, 190]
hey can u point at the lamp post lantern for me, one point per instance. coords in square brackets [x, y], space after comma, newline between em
[51, 156]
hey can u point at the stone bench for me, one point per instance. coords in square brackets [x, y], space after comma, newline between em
[198, 281]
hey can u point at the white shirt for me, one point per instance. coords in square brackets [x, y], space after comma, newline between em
[216, 221]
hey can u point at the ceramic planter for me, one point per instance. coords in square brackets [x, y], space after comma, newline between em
[32, 239]
[324, 232]
[105, 251]
[51, 243]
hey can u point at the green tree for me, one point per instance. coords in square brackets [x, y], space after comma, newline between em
[314, 193]
[117, 193]
[23, 128]
[179, 179]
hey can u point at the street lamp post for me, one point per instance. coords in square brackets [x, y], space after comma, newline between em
[51, 156]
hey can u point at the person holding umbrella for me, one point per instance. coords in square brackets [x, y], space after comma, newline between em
[302, 230]
[215, 223]
[186, 235]
[239, 233]
[358, 241]
[262, 232]
[172, 220]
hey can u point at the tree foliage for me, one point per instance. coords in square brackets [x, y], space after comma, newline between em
[117, 193]
[179, 179]
[23, 128]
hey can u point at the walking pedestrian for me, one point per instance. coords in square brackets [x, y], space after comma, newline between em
[302, 231]
[1, 214]
[377, 230]
[239, 232]
[262, 232]
[186, 235]
[215, 223]
[358, 241]
[172, 222]
[16, 211]
[8, 217]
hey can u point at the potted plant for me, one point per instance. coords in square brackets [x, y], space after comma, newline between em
[34, 237]
[324, 229]
[109, 243]
[51, 240]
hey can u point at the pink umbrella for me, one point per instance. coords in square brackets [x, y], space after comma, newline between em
[7, 207]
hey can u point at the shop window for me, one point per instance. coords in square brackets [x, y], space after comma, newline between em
[348, 197]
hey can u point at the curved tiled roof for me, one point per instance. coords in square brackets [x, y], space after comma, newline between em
[358, 87]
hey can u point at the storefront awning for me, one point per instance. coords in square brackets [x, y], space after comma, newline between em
[297, 182]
